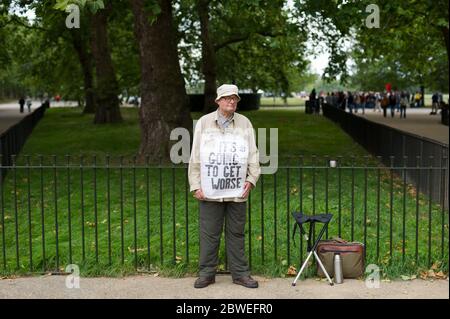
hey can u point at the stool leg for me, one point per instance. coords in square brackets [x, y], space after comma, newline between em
[303, 267]
[323, 268]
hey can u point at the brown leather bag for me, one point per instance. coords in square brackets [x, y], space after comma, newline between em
[352, 256]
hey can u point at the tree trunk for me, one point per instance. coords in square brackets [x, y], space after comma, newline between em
[86, 65]
[164, 104]
[208, 57]
[446, 39]
[107, 102]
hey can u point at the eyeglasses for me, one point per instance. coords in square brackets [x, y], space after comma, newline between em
[230, 98]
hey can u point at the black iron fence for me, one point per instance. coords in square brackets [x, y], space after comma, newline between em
[13, 139]
[114, 213]
[389, 142]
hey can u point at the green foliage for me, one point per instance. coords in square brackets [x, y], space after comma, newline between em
[255, 43]
[92, 5]
[408, 48]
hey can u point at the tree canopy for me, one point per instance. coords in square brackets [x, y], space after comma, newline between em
[160, 49]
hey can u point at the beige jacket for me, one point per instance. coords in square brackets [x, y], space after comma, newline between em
[208, 122]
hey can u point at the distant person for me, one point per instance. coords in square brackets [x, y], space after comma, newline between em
[392, 103]
[384, 104]
[328, 99]
[318, 104]
[21, 103]
[312, 100]
[57, 98]
[46, 102]
[417, 98]
[334, 99]
[350, 102]
[28, 102]
[357, 103]
[397, 100]
[363, 100]
[404, 101]
[377, 102]
[434, 103]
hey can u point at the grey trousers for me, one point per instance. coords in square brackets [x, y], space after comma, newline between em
[212, 216]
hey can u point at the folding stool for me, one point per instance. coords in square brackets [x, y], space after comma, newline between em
[301, 219]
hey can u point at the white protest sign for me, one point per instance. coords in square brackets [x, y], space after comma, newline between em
[223, 163]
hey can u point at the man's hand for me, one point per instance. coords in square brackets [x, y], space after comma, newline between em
[247, 188]
[199, 194]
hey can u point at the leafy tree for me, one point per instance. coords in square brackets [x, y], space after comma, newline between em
[106, 98]
[410, 44]
[242, 38]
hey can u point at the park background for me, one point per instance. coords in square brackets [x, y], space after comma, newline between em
[68, 202]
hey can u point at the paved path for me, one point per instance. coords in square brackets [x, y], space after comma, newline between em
[148, 286]
[418, 121]
[10, 114]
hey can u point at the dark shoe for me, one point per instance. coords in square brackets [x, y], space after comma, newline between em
[247, 282]
[203, 282]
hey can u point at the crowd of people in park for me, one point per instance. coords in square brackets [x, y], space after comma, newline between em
[394, 101]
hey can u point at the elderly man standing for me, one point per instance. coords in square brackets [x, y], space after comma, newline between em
[223, 169]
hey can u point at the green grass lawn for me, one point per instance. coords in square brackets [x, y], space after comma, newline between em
[66, 131]
[277, 101]
[144, 217]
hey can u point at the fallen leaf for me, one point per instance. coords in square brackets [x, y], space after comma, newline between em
[440, 275]
[292, 271]
[436, 265]
[405, 277]
[90, 224]
[131, 250]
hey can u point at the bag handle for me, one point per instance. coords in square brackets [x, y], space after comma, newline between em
[339, 240]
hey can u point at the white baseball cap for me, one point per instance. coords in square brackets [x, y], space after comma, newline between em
[227, 90]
